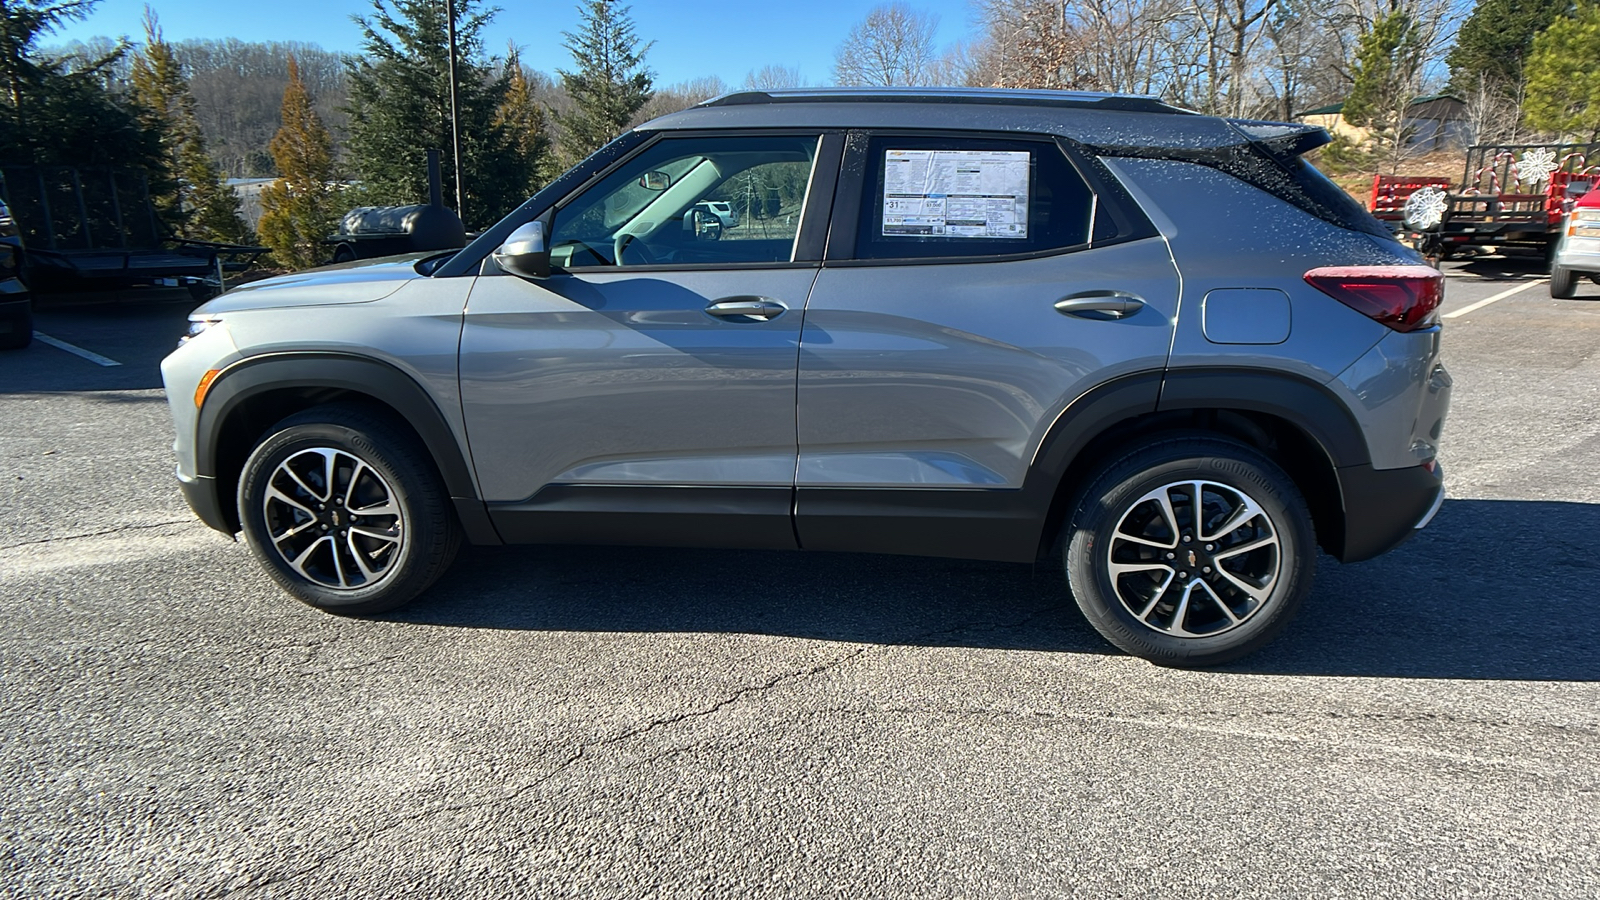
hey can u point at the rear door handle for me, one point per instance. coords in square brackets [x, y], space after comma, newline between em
[1102, 306]
[746, 309]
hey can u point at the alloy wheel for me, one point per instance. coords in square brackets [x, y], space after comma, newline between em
[1194, 559]
[333, 519]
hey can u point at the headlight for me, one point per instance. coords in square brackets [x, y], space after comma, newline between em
[198, 324]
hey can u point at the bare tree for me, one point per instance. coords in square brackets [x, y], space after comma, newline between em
[771, 77]
[680, 96]
[1232, 30]
[1132, 46]
[961, 65]
[893, 45]
[1494, 111]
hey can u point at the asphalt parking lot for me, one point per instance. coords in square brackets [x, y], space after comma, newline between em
[637, 723]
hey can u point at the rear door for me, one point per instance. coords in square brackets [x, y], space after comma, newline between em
[975, 286]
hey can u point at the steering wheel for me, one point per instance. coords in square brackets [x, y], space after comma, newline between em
[626, 242]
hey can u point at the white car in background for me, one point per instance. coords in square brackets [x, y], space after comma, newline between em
[723, 210]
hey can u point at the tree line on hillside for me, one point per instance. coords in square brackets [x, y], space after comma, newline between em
[1524, 68]
[237, 88]
[342, 130]
[336, 131]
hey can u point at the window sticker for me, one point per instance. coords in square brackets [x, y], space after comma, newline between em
[955, 193]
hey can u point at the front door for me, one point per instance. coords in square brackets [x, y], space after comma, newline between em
[644, 392]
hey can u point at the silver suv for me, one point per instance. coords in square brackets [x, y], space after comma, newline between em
[998, 325]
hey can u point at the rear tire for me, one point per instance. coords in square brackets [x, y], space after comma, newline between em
[344, 509]
[1187, 591]
[1563, 283]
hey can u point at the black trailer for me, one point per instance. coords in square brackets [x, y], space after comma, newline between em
[1510, 195]
[367, 232]
[372, 231]
[94, 228]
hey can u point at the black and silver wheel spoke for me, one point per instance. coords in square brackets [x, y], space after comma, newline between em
[333, 518]
[1194, 558]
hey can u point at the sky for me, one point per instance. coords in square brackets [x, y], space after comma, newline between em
[693, 38]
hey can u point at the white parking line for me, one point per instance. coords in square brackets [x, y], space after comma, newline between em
[95, 358]
[1500, 296]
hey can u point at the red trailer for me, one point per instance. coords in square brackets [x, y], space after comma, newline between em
[1510, 195]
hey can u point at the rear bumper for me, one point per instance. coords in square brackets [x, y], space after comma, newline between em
[1385, 507]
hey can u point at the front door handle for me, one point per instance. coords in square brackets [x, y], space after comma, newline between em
[1103, 306]
[746, 309]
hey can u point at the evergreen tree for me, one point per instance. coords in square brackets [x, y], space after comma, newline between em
[214, 213]
[524, 119]
[1495, 41]
[24, 21]
[610, 84]
[1384, 75]
[400, 108]
[191, 197]
[1563, 93]
[300, 209]
[59, 111]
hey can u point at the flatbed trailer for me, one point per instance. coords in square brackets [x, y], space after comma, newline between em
[1510, 195]
[94, 228]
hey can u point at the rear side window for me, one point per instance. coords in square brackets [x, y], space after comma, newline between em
[1288, 178]
[965, 197]
[1317, 195]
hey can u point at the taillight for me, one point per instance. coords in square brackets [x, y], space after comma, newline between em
[1404, 298]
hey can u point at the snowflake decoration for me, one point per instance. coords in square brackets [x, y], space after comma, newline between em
[1425, 208]
[1536, 166]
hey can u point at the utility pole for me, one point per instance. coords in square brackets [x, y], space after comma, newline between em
[455, 120]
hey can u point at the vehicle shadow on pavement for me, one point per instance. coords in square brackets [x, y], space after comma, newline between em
[1517, 267]
[1491, 590]
[135, 329]
[853, 598]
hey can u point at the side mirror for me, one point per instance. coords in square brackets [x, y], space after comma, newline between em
[704, 224]
[1578, 188]
[524, 252]
[655, 180]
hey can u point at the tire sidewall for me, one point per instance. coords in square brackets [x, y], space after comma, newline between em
[266, 458]
[1112, 495]
[1563, 283]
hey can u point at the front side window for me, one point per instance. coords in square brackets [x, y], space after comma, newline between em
[691, 201]
[966, 197]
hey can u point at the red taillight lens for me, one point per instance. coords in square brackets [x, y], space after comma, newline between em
[1404, 298]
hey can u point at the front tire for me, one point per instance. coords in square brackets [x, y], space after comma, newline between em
[1185, 588]
[1563, 283]
[344, 509]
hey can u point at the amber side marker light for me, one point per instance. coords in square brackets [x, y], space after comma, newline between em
[205, 385]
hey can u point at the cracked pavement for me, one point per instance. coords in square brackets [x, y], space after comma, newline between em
[621, 722]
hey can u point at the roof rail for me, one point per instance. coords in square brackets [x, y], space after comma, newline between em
[999, 96]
